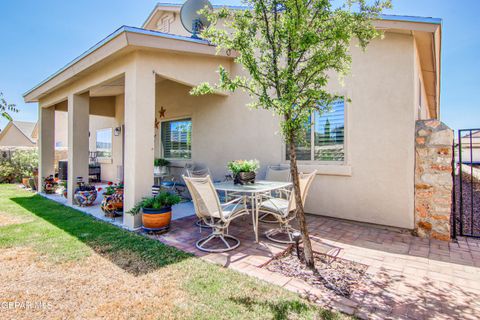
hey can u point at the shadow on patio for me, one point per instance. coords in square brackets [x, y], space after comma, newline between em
[133, 253]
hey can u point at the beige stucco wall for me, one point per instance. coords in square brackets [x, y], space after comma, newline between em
[375, 184]
[12, 136]
[109, 167]
[421, 100]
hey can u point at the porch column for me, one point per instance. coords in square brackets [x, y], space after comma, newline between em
[78, 135]
[139, 137]
[46, 143]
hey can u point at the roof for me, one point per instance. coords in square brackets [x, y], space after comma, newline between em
[390, 17]
[110, 37]
[25, 127]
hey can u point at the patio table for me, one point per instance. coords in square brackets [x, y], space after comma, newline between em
[254, 192]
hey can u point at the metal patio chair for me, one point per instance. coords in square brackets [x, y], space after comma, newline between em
[276, 173]
[284, 210]
[214, 214]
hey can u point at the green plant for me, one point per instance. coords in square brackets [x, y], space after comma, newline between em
[111, 188]
[161, 200]
[22, 164]
[238, 166]
[289, 49]
[159, 162]
[5, 107]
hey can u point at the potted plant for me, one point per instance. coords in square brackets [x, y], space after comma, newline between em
[243, 171]
[156, 211]
[112, 202]
[85, 194]
[160, 166]
[63, 187]
[49, 185]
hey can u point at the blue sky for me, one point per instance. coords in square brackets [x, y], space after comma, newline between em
[39, 37]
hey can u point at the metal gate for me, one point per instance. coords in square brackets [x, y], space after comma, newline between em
[466, 177]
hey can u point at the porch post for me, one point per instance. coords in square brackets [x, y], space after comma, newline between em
[139, 137]
[78, 136]
[46, 143]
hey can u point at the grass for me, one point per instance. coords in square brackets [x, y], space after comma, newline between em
[56, 246]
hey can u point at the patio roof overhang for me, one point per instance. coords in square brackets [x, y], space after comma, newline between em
[124, 40]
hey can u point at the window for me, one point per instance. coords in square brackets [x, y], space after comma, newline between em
[324, 137]
[177, 139]
[104, 143]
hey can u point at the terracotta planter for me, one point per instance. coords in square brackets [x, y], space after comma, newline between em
[156, 219]
[25, 182]
[244, 178]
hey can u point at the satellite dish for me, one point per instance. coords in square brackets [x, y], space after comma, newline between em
[191, 20]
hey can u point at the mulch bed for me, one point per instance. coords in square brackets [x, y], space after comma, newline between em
[471, 196]
[338, 275]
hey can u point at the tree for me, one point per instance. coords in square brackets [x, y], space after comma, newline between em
[288, 49]
[5, 107]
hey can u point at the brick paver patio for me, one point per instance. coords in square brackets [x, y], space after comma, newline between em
[407, 277]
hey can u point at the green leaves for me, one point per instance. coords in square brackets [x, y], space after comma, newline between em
[289, 49]
[5, 107]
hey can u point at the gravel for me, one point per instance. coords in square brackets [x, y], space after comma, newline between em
[338, 275]
[470, 192]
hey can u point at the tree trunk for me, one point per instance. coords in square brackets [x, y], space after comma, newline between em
[300, 214]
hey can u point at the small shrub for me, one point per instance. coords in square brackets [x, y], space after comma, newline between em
[21, 164]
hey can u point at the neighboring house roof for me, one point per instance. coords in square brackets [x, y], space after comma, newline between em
[26, 128]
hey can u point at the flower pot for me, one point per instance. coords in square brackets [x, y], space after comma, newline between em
[112, 204]
[85, 198]
[25, 182]
[160, 170]
[244, 178]
[156, 219]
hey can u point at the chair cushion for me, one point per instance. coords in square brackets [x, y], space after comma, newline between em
[276, 205]
[230, 209]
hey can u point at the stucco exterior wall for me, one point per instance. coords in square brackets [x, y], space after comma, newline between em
[376, 183]
[13, 137]
[421, 101]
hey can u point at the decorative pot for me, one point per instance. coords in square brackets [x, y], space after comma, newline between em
[85, 198]
[49, 188]
[156, 219]
[244, 178]
[160, 170]
[25, 182]
[112, 204]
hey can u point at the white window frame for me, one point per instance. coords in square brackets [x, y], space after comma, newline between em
[341, 168]
[104, 159]
[162, 154]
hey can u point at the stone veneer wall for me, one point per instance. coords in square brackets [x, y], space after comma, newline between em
[433, 179]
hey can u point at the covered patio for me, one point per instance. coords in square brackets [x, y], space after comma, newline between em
[128, 76]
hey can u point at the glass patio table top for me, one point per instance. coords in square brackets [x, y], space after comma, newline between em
[259, 186]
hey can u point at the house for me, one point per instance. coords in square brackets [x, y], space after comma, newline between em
[19, 134]
[140, 78]
[470, 147]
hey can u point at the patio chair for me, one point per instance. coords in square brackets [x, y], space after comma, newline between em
[214, 214]
[284, 210]
[198, 173]
[276, 173]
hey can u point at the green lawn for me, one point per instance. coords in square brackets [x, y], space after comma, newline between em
[133, 276]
